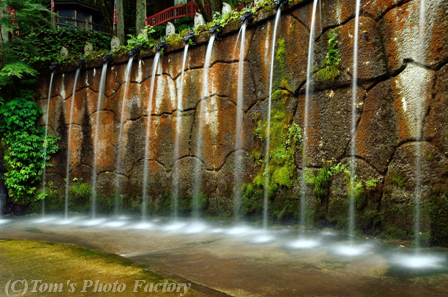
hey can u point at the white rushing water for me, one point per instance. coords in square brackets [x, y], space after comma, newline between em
[351, 230]
[124, 101]
[44, 169]
[199, 114]
[69, 137]
[179, 107]
[238, 161]
[268, 127]
[148, 137]
[96, 136]
[308, 92]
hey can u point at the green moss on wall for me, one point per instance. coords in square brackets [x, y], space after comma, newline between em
[285, 141]
[329, 68]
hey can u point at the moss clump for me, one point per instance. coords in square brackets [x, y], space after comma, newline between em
[175, 41]
[329, 68]
[397, 178]
[437, 206]
[285, 140]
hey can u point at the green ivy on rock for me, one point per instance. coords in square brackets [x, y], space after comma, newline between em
[24, 147]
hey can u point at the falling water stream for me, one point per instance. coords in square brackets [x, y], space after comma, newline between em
[200, 113]
[69, 137]
[175, 201]
[44, 169]
[268, 127]
[95, 142]
[239, 130]
[351, 230]
[148, 137]
[308, 92]
[419, 134]
[120, 137]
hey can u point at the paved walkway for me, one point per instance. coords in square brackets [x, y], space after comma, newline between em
[231, 265]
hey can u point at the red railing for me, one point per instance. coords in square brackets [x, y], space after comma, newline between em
[174, 12]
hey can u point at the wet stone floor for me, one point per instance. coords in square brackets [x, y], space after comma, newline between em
[204, 261]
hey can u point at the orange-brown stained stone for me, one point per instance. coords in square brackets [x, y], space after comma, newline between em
[223, 81]
[329, 125]
[334, 12]
[371, 58]
[410, 88]
[291, 71]
[376, 136]
[106, 142]
[401, 27]
[397, 206]
[436, 127]
[217, 117]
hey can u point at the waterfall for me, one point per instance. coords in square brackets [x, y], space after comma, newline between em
[351, 230]
[120, 136]
[199, 113]
[148, 137]
[69, 137]
[268, 128]
[308, 92]
[419, 133]
[175, 199]
[237, 177]
[95, 143]
[44, 169]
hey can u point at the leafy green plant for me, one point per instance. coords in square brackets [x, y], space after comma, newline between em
[23, 142]
[142, 41]
[320, 181]
[330, 65]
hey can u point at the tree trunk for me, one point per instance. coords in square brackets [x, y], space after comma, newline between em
[215, 6]
[120, 22]
[4, 36]
[140, 16]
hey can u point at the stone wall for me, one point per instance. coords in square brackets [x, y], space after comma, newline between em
[390, 69]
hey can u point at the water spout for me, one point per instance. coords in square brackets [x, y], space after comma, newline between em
[190, 38]
[107, 59]
[161, 46]
[55, 66]
[215, 30]
[247, 16]
[134, 52]
[81, 63]
[280, 3]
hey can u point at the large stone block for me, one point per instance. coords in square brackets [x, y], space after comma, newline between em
[398, 202]
[371, 58]
[290, 53]
[329, 124]
[411, 90]
[376, 136]
[436, 128]
[215, 116]
[406, 37]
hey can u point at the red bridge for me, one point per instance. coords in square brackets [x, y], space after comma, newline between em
[174, 12]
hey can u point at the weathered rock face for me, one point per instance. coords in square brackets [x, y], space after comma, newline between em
[402, 87]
